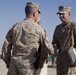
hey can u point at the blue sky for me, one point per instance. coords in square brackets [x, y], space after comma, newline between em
[12, 11]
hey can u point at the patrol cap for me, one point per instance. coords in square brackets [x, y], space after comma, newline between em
[33, 5]
[63, 9]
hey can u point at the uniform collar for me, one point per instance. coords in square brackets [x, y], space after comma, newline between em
[29, 19]
[66, 24]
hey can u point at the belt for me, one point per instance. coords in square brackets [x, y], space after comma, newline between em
[20, 57]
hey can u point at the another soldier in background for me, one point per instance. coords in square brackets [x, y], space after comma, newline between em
[63, 39]
[53, 61]
[40, 71]
[22, 41]
[38, 21]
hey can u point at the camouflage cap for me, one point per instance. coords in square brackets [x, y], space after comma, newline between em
[33, 5]
[63, 9]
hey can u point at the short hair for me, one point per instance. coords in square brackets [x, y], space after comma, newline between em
[29, 10]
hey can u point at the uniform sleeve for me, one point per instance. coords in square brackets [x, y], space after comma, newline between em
[7, 46]
[55, 41]
[47, 46]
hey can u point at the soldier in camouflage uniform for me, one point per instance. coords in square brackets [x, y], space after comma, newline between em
[22, 43]
[64, 38]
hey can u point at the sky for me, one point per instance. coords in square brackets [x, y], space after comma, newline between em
[12, 11]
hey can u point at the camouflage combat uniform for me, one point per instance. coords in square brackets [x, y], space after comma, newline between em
[22, 41]
[64, 38]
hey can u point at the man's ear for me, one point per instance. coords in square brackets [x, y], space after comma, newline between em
[69, 13]
[34, 14]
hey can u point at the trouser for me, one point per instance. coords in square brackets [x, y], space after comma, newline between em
[54, 61]
[64, 66]
[66, 71]
[21, 67]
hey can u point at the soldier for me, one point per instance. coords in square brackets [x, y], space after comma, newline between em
[22, 42]
[64, 38]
